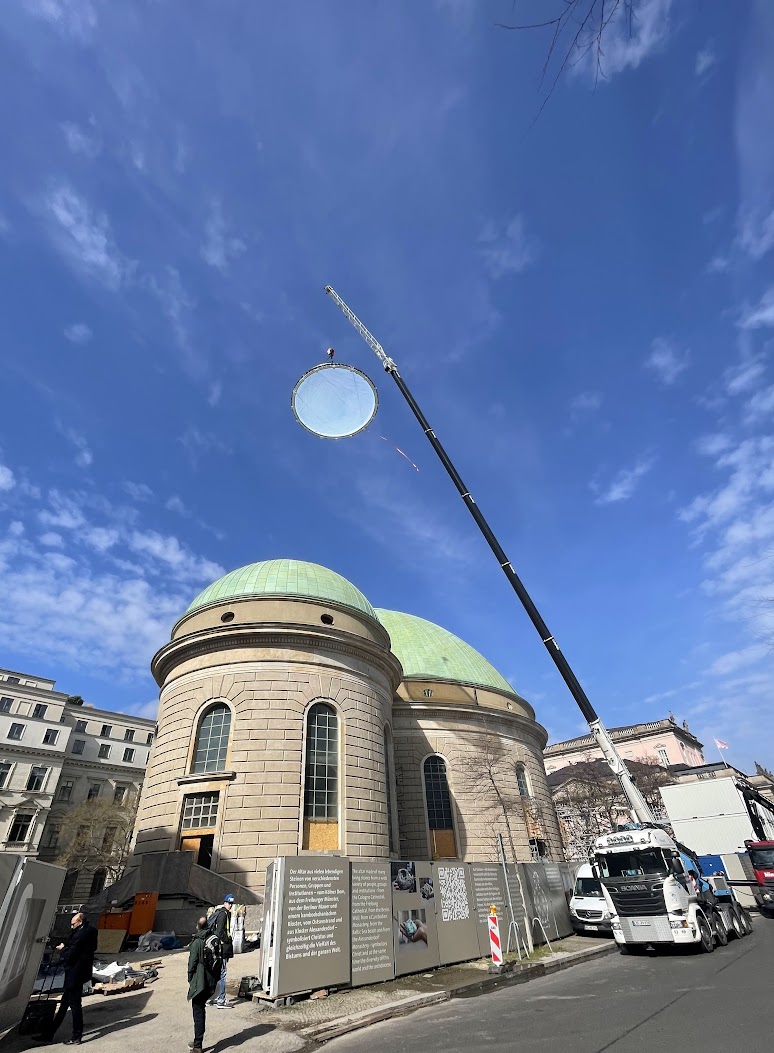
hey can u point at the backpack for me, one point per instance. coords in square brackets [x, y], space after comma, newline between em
[213, 954]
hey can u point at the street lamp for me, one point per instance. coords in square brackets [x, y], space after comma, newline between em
[337, 402]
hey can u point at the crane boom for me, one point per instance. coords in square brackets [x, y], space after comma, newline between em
[641, 811]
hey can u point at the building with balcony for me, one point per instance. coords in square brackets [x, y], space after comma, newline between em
[55, 753]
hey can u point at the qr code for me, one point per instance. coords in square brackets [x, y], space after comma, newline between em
[454, 894]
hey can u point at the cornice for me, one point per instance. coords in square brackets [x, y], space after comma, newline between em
[477, 715]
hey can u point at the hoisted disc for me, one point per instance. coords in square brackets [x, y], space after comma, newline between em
[334, 401]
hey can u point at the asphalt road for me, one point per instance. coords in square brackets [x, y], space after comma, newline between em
[711, 1003]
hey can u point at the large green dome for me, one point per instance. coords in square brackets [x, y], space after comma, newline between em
[428, 652]
[284, 577]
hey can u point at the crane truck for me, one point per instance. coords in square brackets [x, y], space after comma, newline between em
[648, 885]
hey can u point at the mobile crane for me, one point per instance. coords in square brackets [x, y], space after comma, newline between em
[647, 877]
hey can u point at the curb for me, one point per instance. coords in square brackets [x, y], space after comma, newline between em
[344, 1025]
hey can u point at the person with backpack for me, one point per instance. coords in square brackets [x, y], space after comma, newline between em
[220, 926]
[203, 973]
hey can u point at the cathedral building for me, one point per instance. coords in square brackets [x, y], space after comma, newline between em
[295, 717]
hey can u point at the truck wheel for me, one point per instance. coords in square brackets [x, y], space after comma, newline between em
[737, 925]
[706, 939]
[721, 932]
[747, 921]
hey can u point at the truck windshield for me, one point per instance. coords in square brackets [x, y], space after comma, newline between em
[762, 858]
[632, 864]
[588, 886]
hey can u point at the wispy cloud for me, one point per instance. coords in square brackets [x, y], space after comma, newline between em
[624, 484]
[83, 236]
[72, 18]
[667, 361]
[7, 478]
[632, 34]
[80, 141]
[84, 457]
[214, 394]
[140, 492]
[752, 132]
[78, 333]
[733, 661]
[198, 443]
[585, 403]
[762, 315]
[508, 249]
[220, 247]
[705, 60]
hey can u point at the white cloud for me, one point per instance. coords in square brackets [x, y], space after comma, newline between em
[752, 131]
[168, 550]
[624, 484]
[760, 405]
[666, 360]
[508, 250]
[81, 142]
[7, 478]
[632, 35]
[219, 247]
[744, 376]
[735, 660]
[705, 60]
[762, 316]
[719, 264]
[177, 305]
[72, 18]
[84, 457]
[197, 443]
[712, 445]
[138, 491]
[83, 236]
[175, 504]
[52, 539]
[215, 393]
[585, 402]
[78, 333]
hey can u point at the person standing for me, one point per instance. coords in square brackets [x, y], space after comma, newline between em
[220, 924]
[78, 961]
[201, 983]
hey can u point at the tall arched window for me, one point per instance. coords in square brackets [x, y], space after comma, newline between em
[321, 779]
[522, 781]
[440, 818]
[212, 740]
[389, 782]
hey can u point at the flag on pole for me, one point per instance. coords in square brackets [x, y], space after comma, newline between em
[721, 745]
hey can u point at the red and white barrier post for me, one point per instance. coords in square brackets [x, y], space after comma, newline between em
[494, 937]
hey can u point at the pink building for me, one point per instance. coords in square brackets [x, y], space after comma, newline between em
[661, 742]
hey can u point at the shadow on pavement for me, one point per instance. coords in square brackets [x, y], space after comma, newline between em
[241, 1038]
[90, 1033]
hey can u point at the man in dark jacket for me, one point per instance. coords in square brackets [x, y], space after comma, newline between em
[78, 961]
[201, 984]
[220, 923]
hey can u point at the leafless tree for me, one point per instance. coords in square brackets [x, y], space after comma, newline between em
[97, 836]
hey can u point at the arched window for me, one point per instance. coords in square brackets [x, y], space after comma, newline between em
[440, 818]
[212, 740]
[321, 779]
[389, 783]
[522, 781]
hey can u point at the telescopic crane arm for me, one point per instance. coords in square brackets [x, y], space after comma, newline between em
[641, 811]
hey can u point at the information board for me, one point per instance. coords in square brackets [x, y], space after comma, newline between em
[455, 914]
[488, 890]
[373, 958]
[415, 937]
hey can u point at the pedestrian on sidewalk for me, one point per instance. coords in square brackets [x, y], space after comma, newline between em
[220, 924]
[77, 957]
[201, 983]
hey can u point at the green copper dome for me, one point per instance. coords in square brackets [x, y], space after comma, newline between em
[284, 577]
[428, 652]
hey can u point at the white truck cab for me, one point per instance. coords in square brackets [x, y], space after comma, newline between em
[588, 909]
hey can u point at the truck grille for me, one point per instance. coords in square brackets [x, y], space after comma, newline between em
[647, 930]
[648, 901]
[589, 915]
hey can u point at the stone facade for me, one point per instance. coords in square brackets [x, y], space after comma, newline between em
[663, 742]
[266, 664]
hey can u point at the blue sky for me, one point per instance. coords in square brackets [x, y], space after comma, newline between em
[583, 306]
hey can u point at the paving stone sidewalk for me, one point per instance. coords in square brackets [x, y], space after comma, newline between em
[158, 1016]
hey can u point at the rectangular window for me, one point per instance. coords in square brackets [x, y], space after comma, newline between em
[51, 836]
[119, 794]
[662, 755]
[20, 828]
[13, 680]
[94, 788]
[129, 735]
[104, 751]
[129, 756]
[109, 839]
[65, 790]
[50, 737]
[80, 727]
[107, 731]
[16, 731]
[200, 811]
[39, 711]
[5, 704]
[78, 747]
[150, 737]
[37, 778]
[5, 771]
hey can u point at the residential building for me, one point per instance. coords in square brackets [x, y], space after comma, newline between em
[56, 752]
[663, 742]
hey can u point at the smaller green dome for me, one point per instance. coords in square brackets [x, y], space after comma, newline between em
[286, 578]
[428, 652]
